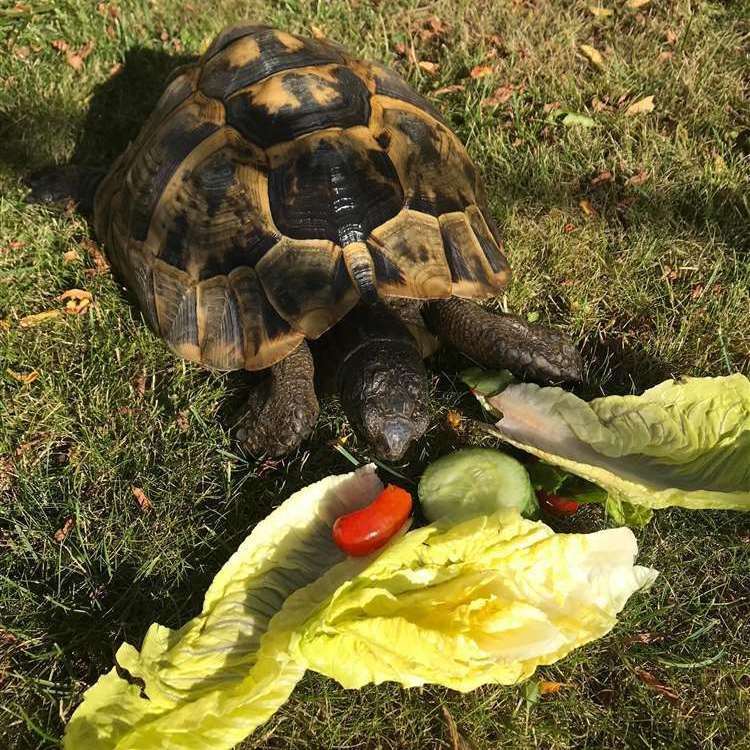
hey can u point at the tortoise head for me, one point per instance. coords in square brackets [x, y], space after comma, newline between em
[385, 394]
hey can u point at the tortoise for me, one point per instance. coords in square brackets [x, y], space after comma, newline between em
[283, 189]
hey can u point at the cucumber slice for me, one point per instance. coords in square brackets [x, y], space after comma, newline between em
[476, 481]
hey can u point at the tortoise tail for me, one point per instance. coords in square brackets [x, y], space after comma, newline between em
[361, 270]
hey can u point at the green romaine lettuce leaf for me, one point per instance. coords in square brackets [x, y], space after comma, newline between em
[209, 684]
[483, 601]
[684, 442]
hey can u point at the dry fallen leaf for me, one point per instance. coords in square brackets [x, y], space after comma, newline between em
[453, 419]
[181, 420]
[75, 58]
[545, 687]
[101, 264]
[499, 96]
[4, 324]
[480, 71]
[697, 291]
[586, 207]
[29, 321]
[637, 179]
[448, 89]
[600, 12]
[71, 256]
[598, 105]
[593, 55]
[666, 55]
[635, 4]
[22, 377]
[108, 9]
[436, 25]
[642, 106]
[142, 499]
[116, 69]
[648, 679]
[432, 28]
[601, 178]
[430, 68]
[62, 533]
[14, 245]
[77, 301]
[317, 32]
[671, 37]
[139, 384]
[567, 229]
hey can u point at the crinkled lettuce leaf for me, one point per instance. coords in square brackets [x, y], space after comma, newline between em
[482, 601]
[209, 684]
[684, 442]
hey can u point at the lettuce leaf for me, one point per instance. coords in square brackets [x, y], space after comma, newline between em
[212, 682]
[684, 442]
[483, 601]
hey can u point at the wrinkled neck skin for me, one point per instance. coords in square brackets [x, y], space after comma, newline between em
[384, 390]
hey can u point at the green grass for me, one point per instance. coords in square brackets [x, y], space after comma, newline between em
[654, 283]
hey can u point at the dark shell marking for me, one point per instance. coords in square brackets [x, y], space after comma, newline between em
[297, 102]
[334, 188]
[278, 179]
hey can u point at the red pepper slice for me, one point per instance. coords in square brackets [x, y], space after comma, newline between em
[557, 504]
[366, 530]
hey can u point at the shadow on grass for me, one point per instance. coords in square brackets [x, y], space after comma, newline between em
[121, 104]
[29, 136]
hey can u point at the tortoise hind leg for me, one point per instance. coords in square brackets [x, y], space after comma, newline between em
[505, 341]
[281, 412]
[61, 185]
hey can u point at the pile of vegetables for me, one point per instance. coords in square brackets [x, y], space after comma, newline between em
[456, 603]
[335, 581]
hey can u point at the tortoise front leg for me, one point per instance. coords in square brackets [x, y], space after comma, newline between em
[504, 341]
[281, 411]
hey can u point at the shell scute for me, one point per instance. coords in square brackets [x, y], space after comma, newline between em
[334, 187]
[432, 165]
[408, 255]
[257, 53]
[299, 101]
[307, 282]
[163, 154]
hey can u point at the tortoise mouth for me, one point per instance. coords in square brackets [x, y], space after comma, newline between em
[396, 436]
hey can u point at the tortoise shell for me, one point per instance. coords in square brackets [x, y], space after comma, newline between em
[277, 181]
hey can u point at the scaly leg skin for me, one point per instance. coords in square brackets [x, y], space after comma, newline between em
[58, 186]
[505, 341]
[281, 412]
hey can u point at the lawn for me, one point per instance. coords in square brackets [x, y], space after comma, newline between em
[631, 229]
